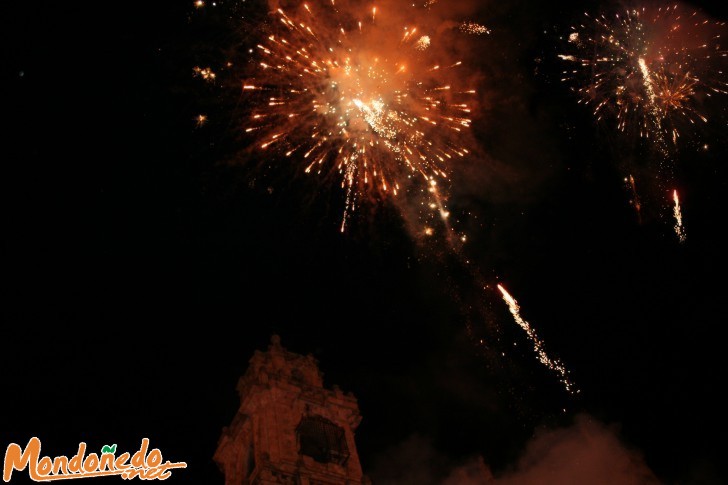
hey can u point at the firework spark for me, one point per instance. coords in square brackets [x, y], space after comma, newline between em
[423, 43]
[333, 95]
[474, 29]
[677, 213]
[652, 71]
[538, 346]
[204, 73]
[635, 201]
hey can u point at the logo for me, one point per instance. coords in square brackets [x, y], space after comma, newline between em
[144, 464]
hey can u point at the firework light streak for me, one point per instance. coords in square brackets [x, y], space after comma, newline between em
[635, 197]
[333, 94]
[538, 346]
[677, 213]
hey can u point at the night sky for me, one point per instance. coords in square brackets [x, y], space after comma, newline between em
[141, 268]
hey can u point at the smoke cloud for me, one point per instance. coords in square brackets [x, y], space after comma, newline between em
[587, 452]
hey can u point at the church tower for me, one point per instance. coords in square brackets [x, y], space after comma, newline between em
[289, 429]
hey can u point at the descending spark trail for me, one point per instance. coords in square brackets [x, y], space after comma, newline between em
[677, 213]
[652, 108]
[335, 92]
[635, 198]
[538, 346]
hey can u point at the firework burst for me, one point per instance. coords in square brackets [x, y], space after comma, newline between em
[369, 99]
[652, 71]
[349, 95]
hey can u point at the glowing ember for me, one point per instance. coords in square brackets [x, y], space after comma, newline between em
[205, 73]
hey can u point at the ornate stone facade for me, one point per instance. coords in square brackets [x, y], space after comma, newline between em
[289, 429]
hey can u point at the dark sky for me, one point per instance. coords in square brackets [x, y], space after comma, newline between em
[141, 272]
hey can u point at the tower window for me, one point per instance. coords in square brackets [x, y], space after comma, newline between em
[322, 440]
[297, 376]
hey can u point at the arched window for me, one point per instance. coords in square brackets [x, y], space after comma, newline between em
[322, 440]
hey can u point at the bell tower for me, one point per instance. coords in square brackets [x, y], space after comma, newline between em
[289, 429]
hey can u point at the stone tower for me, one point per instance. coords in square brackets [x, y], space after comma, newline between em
[289, 429]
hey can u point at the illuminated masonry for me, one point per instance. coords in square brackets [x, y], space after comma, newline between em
[289, 429]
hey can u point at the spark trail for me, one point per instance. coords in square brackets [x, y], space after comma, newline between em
[677, 214]
[538, 346]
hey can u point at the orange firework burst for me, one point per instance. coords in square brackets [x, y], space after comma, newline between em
[334, 93]
[652, 71]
